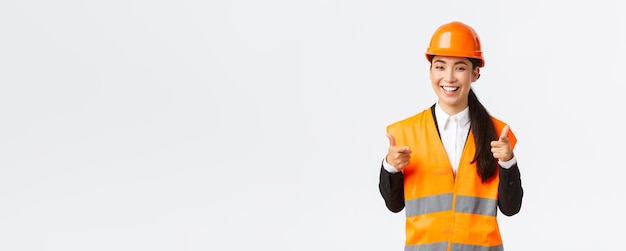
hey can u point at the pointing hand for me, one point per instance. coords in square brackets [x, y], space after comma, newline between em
[501, 148]
[397, 156]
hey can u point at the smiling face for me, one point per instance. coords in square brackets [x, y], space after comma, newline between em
[452, 78]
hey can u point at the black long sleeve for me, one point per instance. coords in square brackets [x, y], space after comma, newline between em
[510, 191]
[391, 186]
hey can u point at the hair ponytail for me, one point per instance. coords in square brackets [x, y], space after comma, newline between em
[484, 132]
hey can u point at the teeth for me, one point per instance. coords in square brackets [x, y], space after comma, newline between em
[450, 88]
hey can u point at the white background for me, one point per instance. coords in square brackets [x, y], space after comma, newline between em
[260, 125]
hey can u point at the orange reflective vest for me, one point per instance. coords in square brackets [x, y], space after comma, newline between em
[444, 211]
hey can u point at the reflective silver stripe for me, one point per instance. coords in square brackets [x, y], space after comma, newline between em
[437, 246]
[475, 205]
[465, 247]
[435, 203]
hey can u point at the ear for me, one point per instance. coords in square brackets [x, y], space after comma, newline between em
[476, 74]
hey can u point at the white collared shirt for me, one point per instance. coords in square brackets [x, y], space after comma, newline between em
[453, 130]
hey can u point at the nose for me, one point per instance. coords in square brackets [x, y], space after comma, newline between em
[449, 76]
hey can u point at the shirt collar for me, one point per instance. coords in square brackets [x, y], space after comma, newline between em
[442, 117]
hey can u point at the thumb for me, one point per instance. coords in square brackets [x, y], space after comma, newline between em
[505, 132]
[392, 140]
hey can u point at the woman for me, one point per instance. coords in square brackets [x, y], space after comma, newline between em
[451, 166]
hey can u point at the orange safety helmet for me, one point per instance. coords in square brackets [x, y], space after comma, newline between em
[455, 39]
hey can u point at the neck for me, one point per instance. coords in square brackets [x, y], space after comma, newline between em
[451, 110]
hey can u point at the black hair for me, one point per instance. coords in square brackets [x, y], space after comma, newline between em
[484, 132]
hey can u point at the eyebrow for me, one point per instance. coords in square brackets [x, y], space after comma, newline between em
[455, 63]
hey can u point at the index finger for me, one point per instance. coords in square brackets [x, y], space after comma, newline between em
[392, 140]
[505, 132]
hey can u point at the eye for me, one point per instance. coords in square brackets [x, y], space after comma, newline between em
[439, 67]
[460, 68]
